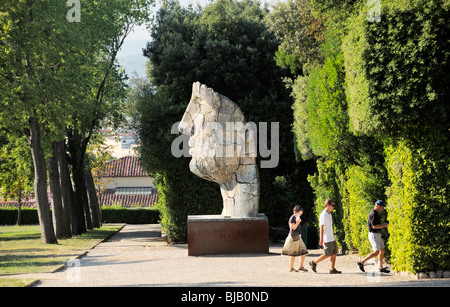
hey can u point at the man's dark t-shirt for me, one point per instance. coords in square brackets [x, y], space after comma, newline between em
[374, 219]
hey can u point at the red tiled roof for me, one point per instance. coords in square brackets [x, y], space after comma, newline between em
[28, 204]
[110, 198]
[128, 166]
[106, 199]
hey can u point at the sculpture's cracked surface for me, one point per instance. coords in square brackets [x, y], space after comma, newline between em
[223, 149]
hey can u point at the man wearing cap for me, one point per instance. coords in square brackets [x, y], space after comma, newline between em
[375, 226]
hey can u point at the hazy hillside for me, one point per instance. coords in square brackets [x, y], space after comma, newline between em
[131, 58]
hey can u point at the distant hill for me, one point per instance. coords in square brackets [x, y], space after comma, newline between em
[131, 58]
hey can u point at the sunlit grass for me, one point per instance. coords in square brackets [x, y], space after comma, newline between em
[22, 251]
[15, 282]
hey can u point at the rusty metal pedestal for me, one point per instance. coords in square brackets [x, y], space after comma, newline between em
[218, 234]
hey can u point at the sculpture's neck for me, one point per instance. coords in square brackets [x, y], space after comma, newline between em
[240, 199]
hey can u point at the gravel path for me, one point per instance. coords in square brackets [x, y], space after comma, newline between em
[137, 256]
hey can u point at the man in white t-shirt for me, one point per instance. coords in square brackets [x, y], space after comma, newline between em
[327, 239]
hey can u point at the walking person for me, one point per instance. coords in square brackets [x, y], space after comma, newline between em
[327, 239]
[294, 245]
[375, 226]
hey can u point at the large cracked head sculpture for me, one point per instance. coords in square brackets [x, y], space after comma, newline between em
[223, 149]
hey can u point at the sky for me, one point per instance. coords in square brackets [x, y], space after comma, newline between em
[141, 33]
[130, 56]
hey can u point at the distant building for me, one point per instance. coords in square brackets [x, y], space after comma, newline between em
[122, 144]
[127, 184]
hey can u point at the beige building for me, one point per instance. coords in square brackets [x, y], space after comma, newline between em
[121, 144]
[127, 184]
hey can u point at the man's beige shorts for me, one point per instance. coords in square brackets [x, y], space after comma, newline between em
[376, 241]
[330, 248]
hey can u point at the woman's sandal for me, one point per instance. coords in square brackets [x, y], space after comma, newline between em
[293, 270]
[303, 269]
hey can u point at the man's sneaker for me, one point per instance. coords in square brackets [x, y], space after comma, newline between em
[334, 271]
[313, 266]
[361, 266]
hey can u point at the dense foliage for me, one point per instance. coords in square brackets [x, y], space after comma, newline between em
[130, 215]
[228, 47]
[8, 215]
[375, 115]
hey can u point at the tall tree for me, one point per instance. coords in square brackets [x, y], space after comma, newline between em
[99, 99]
[33, 45]
[54, 73]
[300, 34]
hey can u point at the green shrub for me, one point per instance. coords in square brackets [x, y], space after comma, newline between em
[8, 216]
[397, 69]
[418, 206]
[183, 194]
[397, 90]
[130, 215]
[363, 188]
[329, 182]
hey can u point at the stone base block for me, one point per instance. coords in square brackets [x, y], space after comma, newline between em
[218, 234]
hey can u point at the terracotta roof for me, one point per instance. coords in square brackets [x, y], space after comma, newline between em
[128, 166]
[109, 198]
[28, 204]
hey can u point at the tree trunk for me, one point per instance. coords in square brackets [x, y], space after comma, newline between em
[75, 156]
[67, 194]
[60, 222]
[40, 182]
[95, 196]
[93, 201]
[81, 192]
[77, 150]
[19, 212]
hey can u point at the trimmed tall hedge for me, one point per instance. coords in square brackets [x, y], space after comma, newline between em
[363, 186]
[418, 207]
[130, 215]
[397, 88]
[386, 136]
[8, 216]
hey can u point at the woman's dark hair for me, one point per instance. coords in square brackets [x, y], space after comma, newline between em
[297, 208]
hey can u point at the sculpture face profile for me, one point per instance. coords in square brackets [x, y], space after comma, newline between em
[223, 149]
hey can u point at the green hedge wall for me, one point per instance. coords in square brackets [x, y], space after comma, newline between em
[397, 89]
[130, 216]
[363, 186]
[388, 135]
[418, 207]
[8, 216]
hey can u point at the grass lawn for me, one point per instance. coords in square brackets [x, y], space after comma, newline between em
[21, 250]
